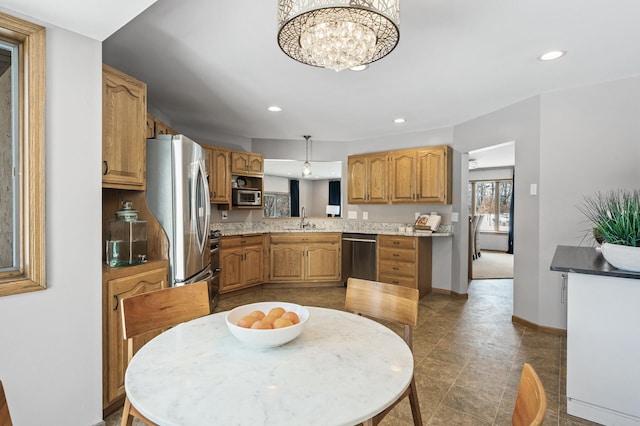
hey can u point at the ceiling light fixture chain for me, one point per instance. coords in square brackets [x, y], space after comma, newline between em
[306, 167]
[338, 34]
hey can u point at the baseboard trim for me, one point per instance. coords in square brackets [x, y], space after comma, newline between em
[541, 328]
[450, 293]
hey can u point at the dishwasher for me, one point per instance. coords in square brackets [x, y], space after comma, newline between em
[359, 256]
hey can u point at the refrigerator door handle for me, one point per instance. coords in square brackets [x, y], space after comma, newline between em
[198, 202]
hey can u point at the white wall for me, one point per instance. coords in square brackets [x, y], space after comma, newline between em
[590, 141]
[51, 344]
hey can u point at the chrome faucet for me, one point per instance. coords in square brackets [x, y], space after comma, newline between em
[302, 218]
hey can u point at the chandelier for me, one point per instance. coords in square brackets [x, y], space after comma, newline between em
[338, 34]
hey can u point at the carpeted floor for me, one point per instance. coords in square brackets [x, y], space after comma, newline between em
[493, 264]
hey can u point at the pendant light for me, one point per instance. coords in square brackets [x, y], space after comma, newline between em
[306, 168]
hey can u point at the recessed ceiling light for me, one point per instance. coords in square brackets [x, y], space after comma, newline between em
[399, 120]
[274, 108]
[359, 67]
[551, 55]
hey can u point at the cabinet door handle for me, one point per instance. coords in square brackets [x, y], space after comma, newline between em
[105, 167]
[115, 298]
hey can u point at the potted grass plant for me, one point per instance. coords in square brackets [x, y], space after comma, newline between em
[615, 216]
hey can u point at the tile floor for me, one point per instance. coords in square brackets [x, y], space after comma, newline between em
[468, 355]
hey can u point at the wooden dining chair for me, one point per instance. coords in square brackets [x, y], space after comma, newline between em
[5, 416]
[387, 302]
[158, 310]
[531, 402]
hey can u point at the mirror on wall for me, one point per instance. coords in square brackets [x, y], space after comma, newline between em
[313, 189]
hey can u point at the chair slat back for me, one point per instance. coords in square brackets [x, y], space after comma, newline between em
[164, 308]
[5, 416]
[387, 302]
[531, 402]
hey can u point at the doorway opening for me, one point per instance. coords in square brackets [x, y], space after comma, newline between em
[490, 200]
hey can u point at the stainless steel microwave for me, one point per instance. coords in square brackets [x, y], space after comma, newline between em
[246, 197]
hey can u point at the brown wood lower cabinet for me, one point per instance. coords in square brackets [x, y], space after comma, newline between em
[118, 283]
[241, 262]
[311, 257]
[405, 261]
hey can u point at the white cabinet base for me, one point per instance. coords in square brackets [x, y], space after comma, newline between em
[603, 349]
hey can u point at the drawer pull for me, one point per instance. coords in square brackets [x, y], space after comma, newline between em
[395, 282]
[395, 268]
[396, 242]
[396, 254]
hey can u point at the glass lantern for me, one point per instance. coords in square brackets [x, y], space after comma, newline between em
[127, 242]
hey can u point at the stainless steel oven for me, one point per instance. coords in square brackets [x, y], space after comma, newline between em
[214, 246]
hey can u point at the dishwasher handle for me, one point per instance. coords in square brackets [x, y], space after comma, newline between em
[360, 240]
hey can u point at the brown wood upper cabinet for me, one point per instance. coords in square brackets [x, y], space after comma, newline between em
[419, 175]
[368, 178]
[247, 163]
[124, 112]
[219, 175]
[156, 127]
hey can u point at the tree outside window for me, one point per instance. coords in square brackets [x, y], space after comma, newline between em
[491, 199]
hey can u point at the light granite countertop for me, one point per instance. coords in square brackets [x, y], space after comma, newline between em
[326, 225]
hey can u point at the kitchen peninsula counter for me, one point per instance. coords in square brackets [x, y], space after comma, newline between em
[603, 340]
[586, 260]
[321, 225]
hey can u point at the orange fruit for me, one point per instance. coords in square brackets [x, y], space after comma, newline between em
[277, 312]
[261, 325]
[269, 319]
[291, 316]
[247, 321]
[282, 322]
[257, 314]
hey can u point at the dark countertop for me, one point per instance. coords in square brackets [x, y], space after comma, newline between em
[586, 260]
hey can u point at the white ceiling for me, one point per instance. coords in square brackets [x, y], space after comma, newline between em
[501, 155]
[97, 19]
[215, 66]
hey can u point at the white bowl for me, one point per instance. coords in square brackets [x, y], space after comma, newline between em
[266, 338]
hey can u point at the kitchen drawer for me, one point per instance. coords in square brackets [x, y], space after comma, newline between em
[397, 268]
[397, 242]
[305, 238]
[395, 279]
[241, 241]
[395, 254]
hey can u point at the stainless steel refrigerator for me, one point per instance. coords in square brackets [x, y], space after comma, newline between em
[178, 196]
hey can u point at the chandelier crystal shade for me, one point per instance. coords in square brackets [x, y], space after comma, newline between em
[338, 34]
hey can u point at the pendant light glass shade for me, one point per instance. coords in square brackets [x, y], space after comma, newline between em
[338, 34]
[306, 167]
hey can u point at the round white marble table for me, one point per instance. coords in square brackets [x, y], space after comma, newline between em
[341, 370]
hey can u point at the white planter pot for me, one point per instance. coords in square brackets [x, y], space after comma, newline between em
[626, 258]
